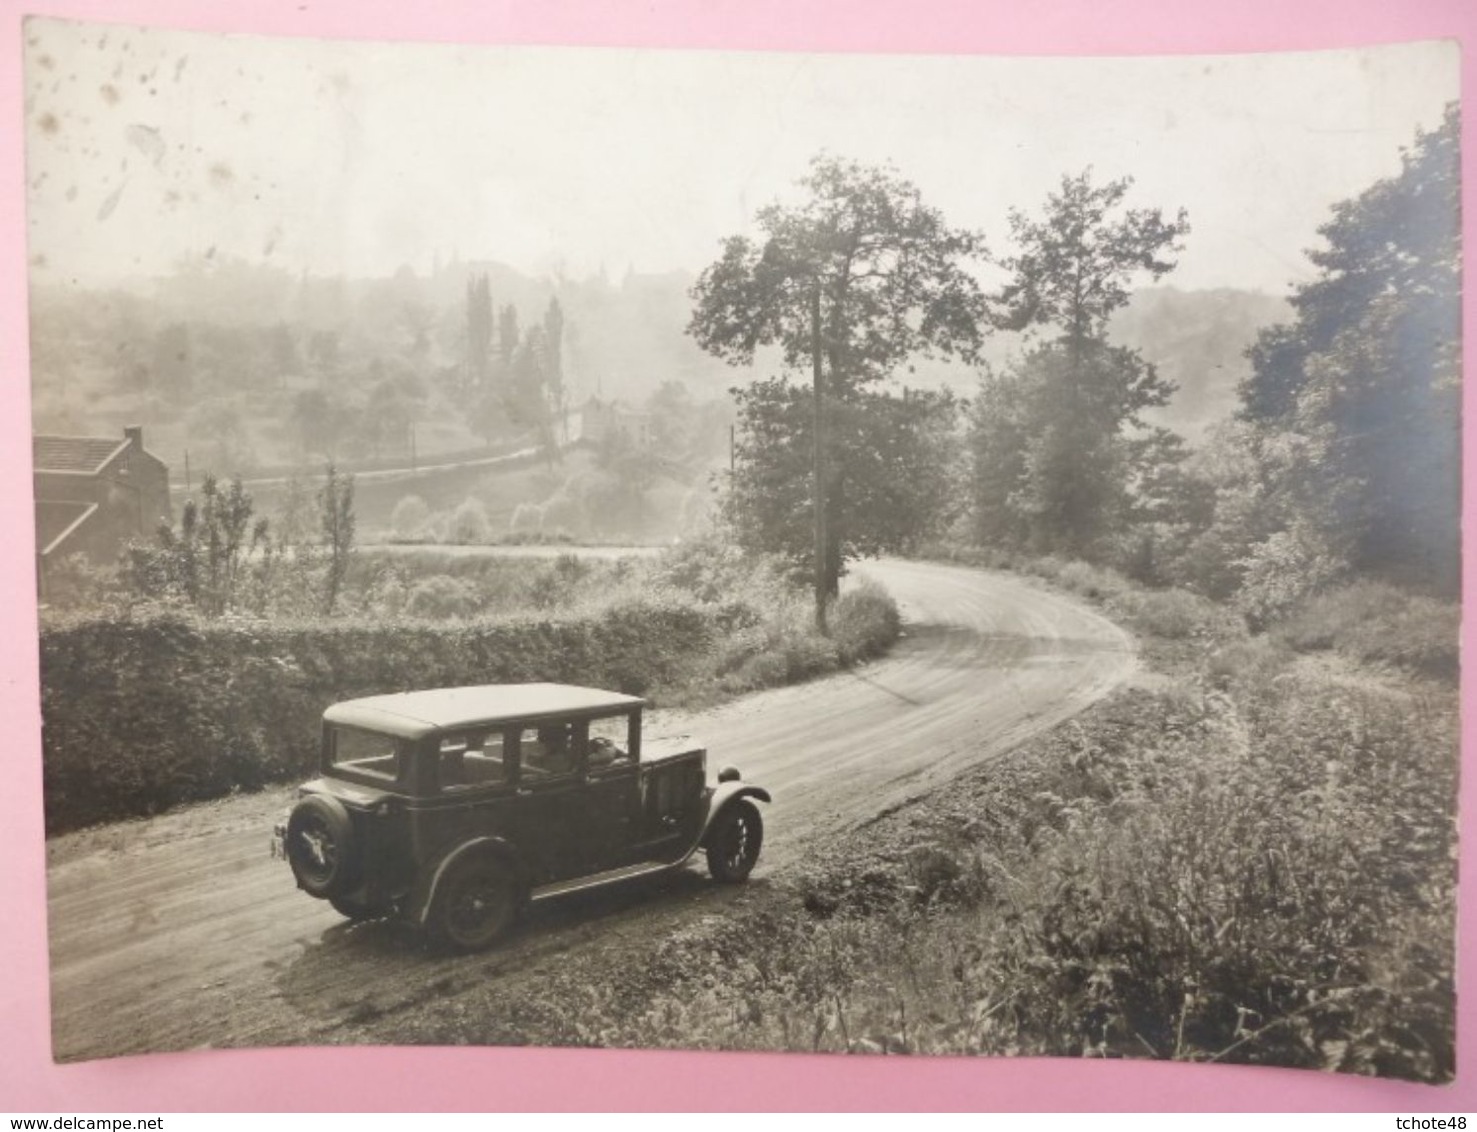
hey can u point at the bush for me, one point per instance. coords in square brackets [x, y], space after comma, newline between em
[408, 520]
[1282, 571]
[1375, 622]
[439, 597]
[528, 518]
[1089, 581]
[1256, 903]
[1246, 664]
[1174, 614]
[864, 622]
[469, 525]
[785, 647]
[145, 714]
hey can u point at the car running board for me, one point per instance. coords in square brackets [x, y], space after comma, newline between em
[610, 876]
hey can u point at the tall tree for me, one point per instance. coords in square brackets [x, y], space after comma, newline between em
[201, 561]
[336, 515]
[479, 331]
[852, 282]
[529, 403]
[1080, 395]
[894, 456]
[1368, 377]
[507, 335]
[554, 386]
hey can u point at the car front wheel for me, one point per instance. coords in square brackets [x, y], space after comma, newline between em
[734, 842]
[477, 903]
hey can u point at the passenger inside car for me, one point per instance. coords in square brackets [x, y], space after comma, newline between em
[549, 753]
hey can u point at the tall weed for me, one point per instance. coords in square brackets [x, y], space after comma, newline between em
[1378, 623]
[1258, 875]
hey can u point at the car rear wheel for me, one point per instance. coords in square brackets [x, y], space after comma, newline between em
[477, 902]
[320, 845]
[734, 843]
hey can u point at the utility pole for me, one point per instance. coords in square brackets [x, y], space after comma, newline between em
[818, 477]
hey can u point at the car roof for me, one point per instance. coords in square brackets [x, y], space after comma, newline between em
[413, 715]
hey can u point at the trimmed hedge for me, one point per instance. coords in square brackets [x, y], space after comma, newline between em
[142, 715]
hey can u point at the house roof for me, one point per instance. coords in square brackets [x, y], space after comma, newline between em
[416, 714]
[56, 520]
[86, 454]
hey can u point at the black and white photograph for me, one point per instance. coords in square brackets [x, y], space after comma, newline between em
[946, 555]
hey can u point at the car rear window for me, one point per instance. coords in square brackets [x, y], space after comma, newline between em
[366, 753]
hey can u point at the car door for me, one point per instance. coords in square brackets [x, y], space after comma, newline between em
[549, 802]
[612, 794]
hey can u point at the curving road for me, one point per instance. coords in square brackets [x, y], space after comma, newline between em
[180, 932]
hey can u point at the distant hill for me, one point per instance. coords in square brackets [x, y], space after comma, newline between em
[222, 360]
[1198, 340]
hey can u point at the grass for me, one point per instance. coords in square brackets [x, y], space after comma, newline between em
[1376, 623]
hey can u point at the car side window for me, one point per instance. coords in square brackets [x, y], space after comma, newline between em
[550, 750]
[609, 743]
[469, 759]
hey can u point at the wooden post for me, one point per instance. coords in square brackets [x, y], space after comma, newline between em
[821, 580]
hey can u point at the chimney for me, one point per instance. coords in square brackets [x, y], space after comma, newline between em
[135, 434]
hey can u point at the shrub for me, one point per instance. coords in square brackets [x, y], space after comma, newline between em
[1375, 622]
[1089, 581]
[440, 597]
[864, 622]
[469, 523]
[782, 648]
[1245, 664]
[145, 714]
[1173, 614]
[557, 583]
[528, 518]
[1282, 571]
[408, 520]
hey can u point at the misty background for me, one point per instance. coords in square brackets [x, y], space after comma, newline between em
[261, 249]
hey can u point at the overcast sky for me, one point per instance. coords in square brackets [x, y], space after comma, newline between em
[145, 146]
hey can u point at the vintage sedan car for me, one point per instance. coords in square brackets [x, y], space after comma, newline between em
[452, 808]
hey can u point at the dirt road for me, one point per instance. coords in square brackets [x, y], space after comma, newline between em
[180, 932]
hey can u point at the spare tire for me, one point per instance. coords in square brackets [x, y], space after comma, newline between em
[320, 846]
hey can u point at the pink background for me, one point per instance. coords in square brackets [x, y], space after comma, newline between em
[476, 1079]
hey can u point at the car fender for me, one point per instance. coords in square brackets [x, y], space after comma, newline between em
[725, 794]
[423, 894]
